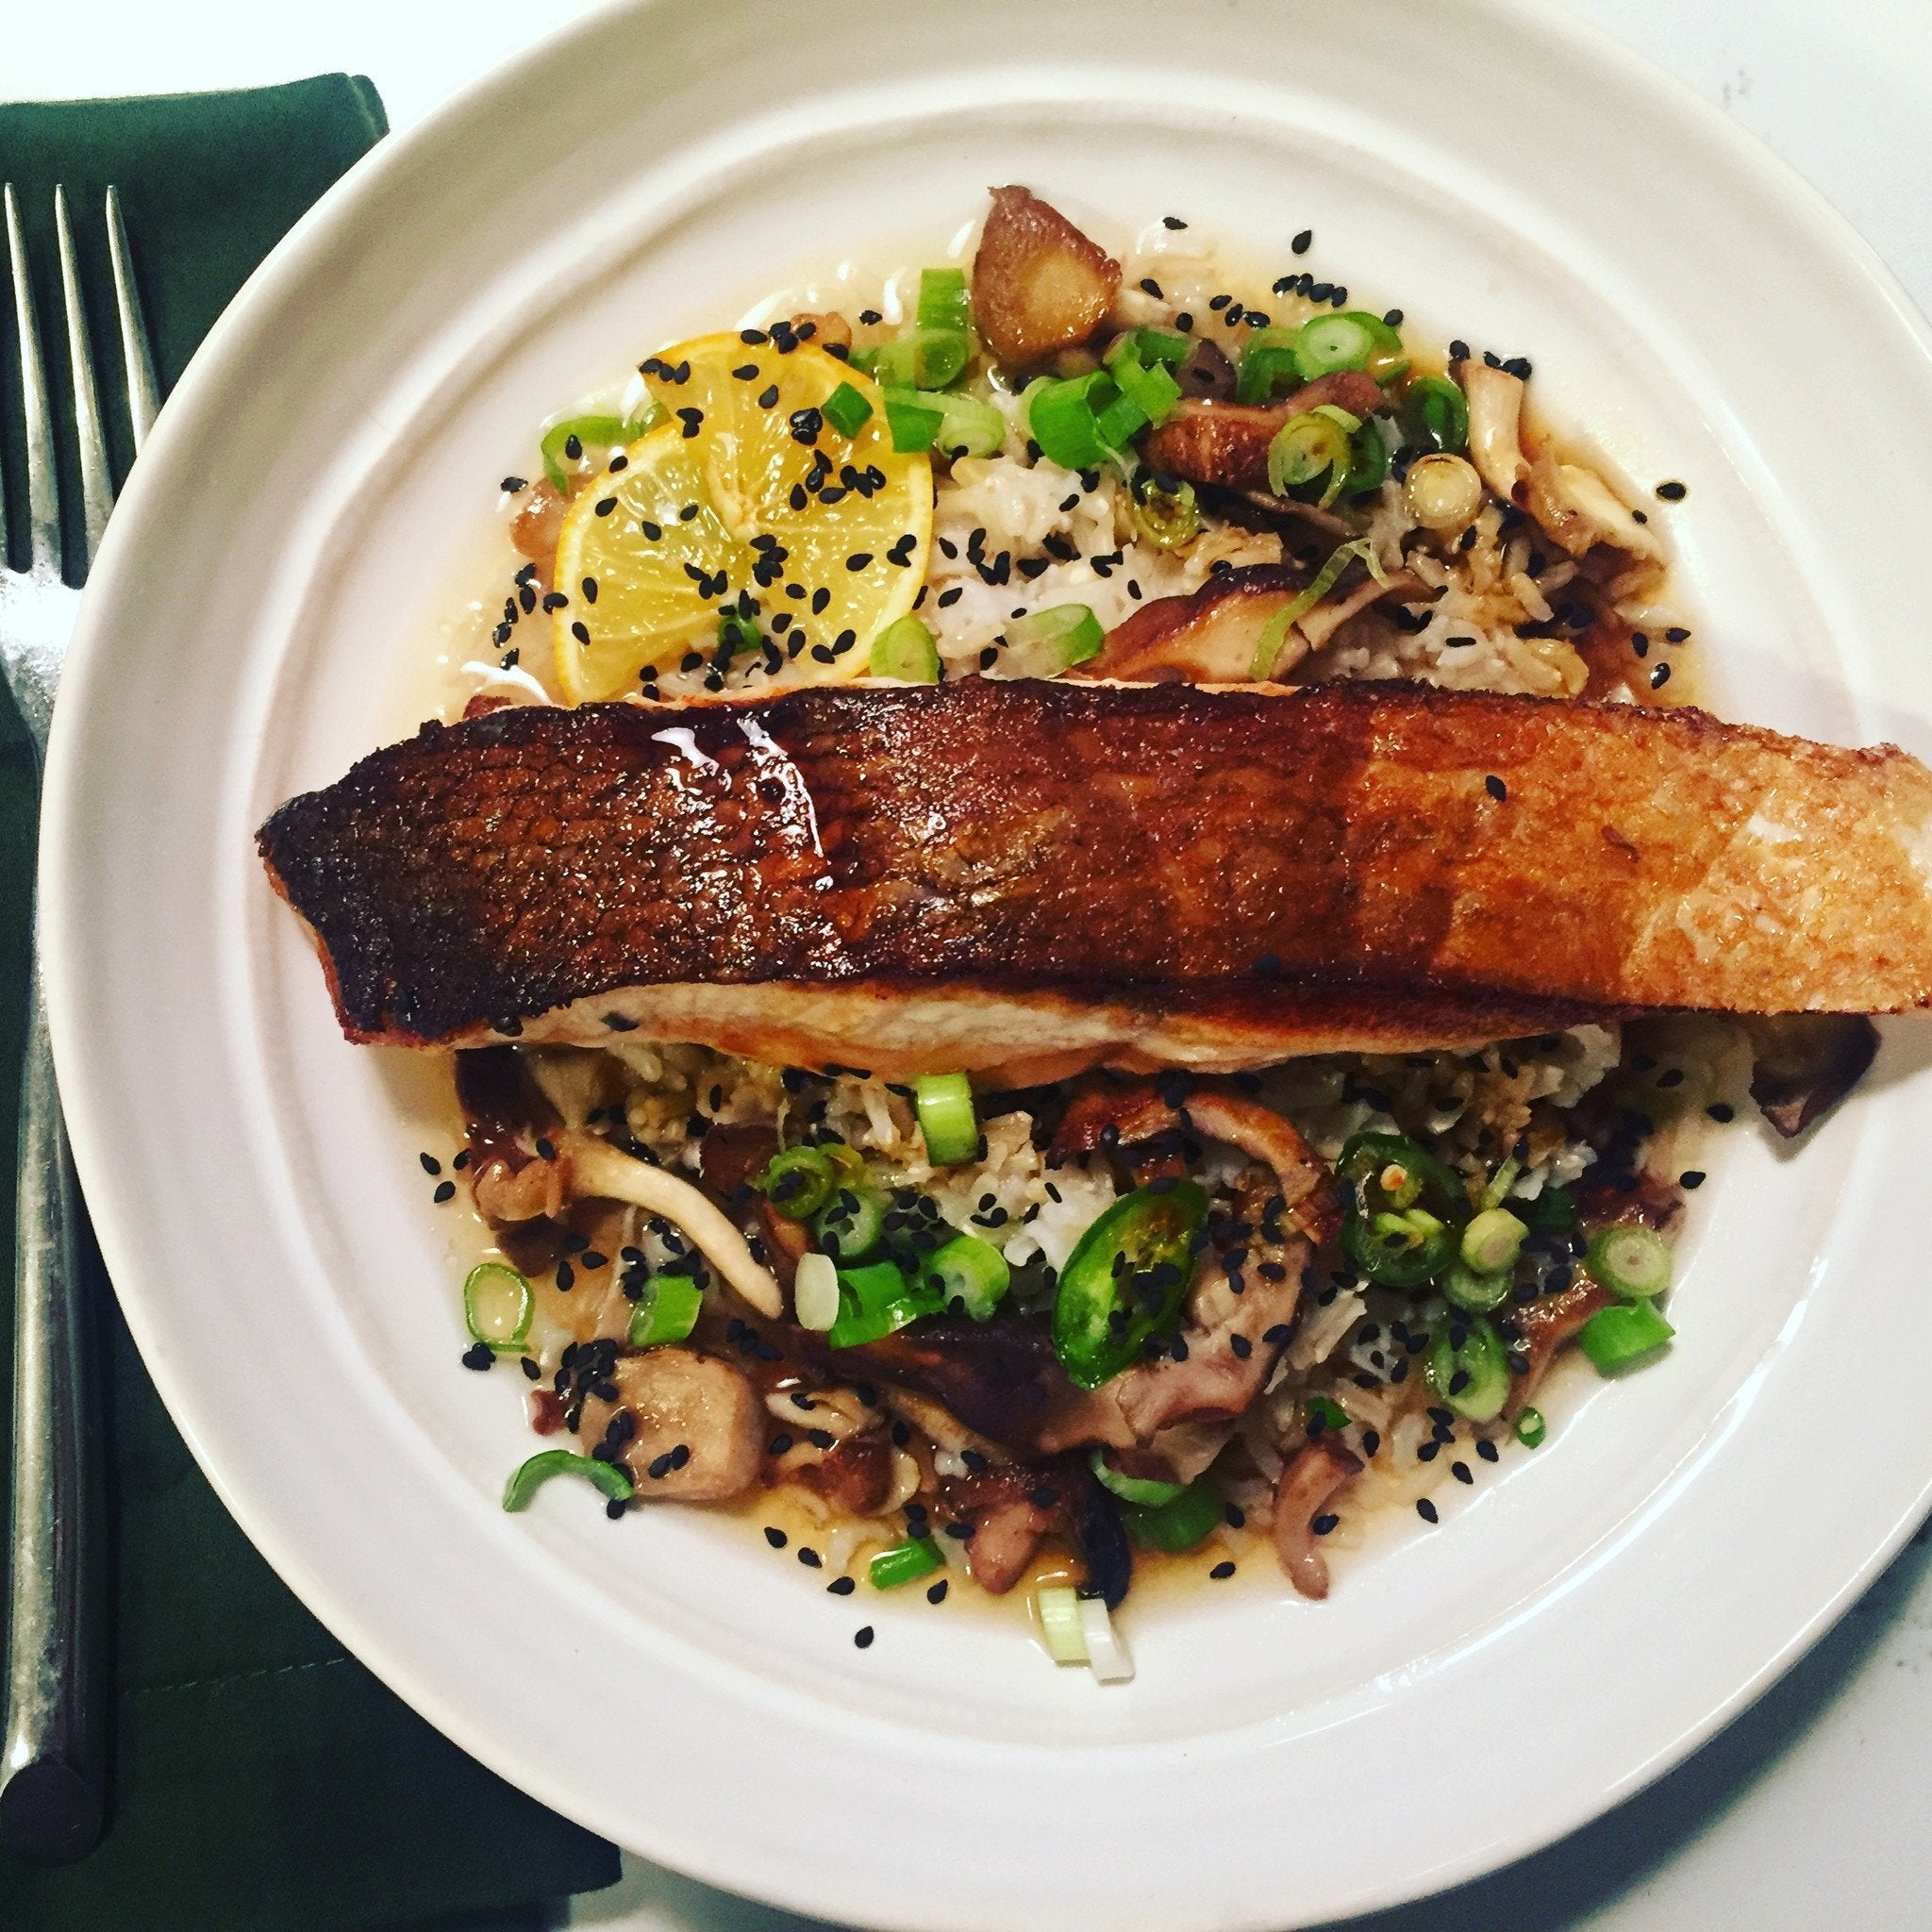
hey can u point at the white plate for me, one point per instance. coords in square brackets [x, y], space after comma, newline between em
[1468, 1693]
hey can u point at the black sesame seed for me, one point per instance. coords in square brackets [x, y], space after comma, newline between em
[842, 1586]
[1487, 1449]
[1721, 1111]
[1425, 1509]
[1495, 787]
[811, 1557]
[1659, 676]
[445, 1191]
[1149, 286]
[430, 1163]
[1323, 1524]
[1692, 1178]
[512, 484]
[776, 1537]
[477, 1355]
[936, 1594]
[863, 1637]
[1461, 1471]
[1221, 1570]
[1302, 242]
[1672, 492]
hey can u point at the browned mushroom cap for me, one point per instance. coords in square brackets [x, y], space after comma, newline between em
[1227, 444]
[1545, 1326]
[1210, 636]
[1135, 1110]
[697, 1431]
[1039, 284]
[1206, 637]
[1311, 1481]
[1807, 1063]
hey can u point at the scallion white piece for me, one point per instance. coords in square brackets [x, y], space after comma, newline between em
[1106, 1653]
[1061, 1628]
[815, 1292]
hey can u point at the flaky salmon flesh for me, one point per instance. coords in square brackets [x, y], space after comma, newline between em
[1023, 879]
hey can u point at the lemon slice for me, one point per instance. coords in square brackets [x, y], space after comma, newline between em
[744, 501]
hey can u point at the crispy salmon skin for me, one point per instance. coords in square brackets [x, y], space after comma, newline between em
[1035, 876]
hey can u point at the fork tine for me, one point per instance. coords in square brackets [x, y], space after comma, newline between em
[143, 391]
[96, 483]
[42, 506]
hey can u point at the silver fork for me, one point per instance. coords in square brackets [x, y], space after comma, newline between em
[52, 1802]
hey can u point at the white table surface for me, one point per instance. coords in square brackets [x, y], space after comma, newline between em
[1808, 1811]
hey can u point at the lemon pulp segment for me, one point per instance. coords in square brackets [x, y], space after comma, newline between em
[743, 500]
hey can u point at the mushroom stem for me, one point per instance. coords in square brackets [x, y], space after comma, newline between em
[595, 1167]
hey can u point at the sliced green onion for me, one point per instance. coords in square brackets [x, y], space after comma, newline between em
[1046, 643]
[1633, 1261]
[943, 299]
[1180, 1524]
[1388, 359]
[846, 410]
[1442, 491]
[666, 1312]
[1150, 346]
[1615, 1337]
[970, 1272]
[1368, 461]
[1331, 1415]
[1492, 1241]
[968, 426]
[815, 1292]
[1058, 1608]
[1118, 423]
[946, 1118]
[906, 1563]
[1306, 446]
[922, 359]
[1504, 1178]
[1133, 1489]
[851, 1224]
[1153, 392]
[1435, 415]
[1167, 518]
[1267, 366]
[1275, 632]
[1325, 344]
[798, 1182]
[1061, 418]
[877, 1301]
[906, 650]
[610, 1478]
[737, 632]
[1468, 1369]
[497, 1304]
[593, 432]
[1531, 1429]
[1477, 1292]
[912, 424]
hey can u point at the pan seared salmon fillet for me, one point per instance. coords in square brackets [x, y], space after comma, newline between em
[1025, 878]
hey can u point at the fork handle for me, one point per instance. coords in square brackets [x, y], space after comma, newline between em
[51, 1791]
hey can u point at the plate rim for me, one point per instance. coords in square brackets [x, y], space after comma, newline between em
[65, 924]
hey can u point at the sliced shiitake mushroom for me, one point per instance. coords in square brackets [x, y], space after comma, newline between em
[1039, 284]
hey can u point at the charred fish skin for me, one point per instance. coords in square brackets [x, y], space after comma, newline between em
[1168, 849]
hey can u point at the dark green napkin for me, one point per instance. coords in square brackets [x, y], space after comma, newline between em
[262, 1781]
